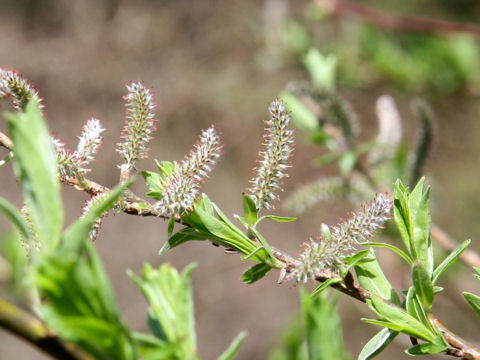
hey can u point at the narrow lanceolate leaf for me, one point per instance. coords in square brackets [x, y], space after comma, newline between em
[234, 348]
[398, 319]
[169, 294]
[372, 278]
[79, 231]
[325, 285]
[414, 307]
[424, 140]
[427, 349]
[412, 216]
[398, 251]
[473, 300]
[14, 216]
[321, 68]
[139, 125]
[79, 304]
[249, 209]
[322, 327]
[302, 117]
[449, 260]
[274, 160]
[377, 344]
[423, 285]
[255, 273]
[36, 168]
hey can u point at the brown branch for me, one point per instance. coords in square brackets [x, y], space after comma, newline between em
[469, 257]
[345, 8]
[5, 141]
[457, 346]
[31, 329]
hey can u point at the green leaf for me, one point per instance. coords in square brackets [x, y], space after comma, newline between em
[323, 329]
[347, 162]
[422, 223]
[360, 257]
[277, 218]
[151, 348]
[234, 347]
[184, 235]
[36, 167]
[372, 278]
[325, 285]
[249, 209]
[169, 295]
[76, 234]
[412, 216]
[171, 226]
[154, 183]
[395, 249]
[264, 243]
[225, 219]
[400, 320]
[79, 304]
[449, 260]
[423, 285]
[255, 273]
[401, 214]
[377, 344]
[242, 220]
[302, 117]
[326, 159]
[321, 68]
[473, 301]
[14, 216]
[413, 307]
[249, 256]
[427, 349]
[224, 233]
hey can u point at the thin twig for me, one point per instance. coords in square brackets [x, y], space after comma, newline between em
[345, 8]
[457, 346]
[469, 257]
[31, 329]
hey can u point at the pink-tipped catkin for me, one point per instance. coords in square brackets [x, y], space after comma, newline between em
[183, 185]
[274, 160]
[327, 252]
[89, 142]
[17, 89]
[139, 125]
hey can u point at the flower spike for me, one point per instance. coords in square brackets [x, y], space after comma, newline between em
[182, 186]
[15, 87]
[139, 124]
[327, 251]
[89, 142]
[274, 160]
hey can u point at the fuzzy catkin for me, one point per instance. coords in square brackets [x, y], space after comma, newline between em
[327, 252]
[274, 160]
[139, 125]
[183, 185]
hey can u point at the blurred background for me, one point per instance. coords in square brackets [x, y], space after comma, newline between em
[222, 62]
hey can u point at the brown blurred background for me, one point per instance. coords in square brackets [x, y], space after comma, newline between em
[220, 62]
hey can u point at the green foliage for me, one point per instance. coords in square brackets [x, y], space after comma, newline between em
[35, 166]
[156, 181]
[171, 308]
[412, 216]
[80, 305]
[322, 328]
